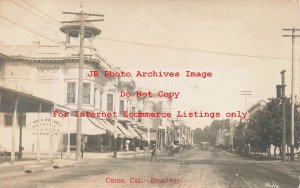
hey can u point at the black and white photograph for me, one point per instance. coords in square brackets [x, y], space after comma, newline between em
[150, 93]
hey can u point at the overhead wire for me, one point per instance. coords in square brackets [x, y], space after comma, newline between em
[139, 43]
[50, 17]
[21, 6]
[193, 50]
[36, 33]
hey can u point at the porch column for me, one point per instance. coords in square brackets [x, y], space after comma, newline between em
[68, 129]
[14, 124]
[20, 140]
[38, 154]
[51, 133]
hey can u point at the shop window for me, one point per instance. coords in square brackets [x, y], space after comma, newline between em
[8, 119]
[71, 89]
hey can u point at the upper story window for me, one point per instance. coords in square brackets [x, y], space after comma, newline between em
[110, 102]
[121, 109]
[98, 99]
[71, 89]
[139, 118]
[101, 93]
[86, 93]
[133, 111]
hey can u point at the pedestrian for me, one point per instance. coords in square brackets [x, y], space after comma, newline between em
[83, 142]
[180, 150]
[154, 153]
[172, 150]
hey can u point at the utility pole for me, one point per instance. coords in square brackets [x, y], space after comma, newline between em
[116, 119]
[283, 138]
[82, 21]
[293, 36]
[246, 93]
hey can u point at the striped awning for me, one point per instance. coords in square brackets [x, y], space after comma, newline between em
[87, 128]
[133, 132]
[126, 133]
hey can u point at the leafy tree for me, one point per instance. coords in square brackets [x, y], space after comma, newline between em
[265, 125]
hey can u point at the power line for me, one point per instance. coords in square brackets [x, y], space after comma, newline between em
[38, 34]
[39, 16]
[35, 14]
[193, 50]
[146, 44]
[50, 17]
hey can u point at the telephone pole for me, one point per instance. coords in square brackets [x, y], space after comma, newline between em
[246, 93]
[283, 136]
[293, 36]
[82, 22]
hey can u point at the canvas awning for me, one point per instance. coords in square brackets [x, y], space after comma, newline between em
[126, 133]
[132, 131]
[88, 127]
[143, 134]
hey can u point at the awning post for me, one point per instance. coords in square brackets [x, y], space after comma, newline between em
[14, 124]
[68, 130]
[51, 132]
[38, 134]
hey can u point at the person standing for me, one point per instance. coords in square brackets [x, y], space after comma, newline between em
[172, 150]
[180, 150]
[83, 142]
[154, 153]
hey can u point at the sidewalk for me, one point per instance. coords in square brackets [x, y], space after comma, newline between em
[9, 170]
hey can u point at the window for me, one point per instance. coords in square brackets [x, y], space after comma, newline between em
[121, 111]
[98, 99]
[86, 93]
[139, 118]
[8, 118]
[110, 102]
[73, 139]
[101, 93]
[95, 103]
[71, 88]
[133, 111]
[159, 106]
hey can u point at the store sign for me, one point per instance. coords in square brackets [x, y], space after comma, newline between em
[45, 123]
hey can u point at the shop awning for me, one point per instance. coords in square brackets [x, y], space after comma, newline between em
[107, 125]
[125, 132]
[140, 133]
[104, 123]
[144, 135]
[88, 127]
[132, 131]
[120, 133]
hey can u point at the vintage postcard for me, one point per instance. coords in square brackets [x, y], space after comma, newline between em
[149, 93]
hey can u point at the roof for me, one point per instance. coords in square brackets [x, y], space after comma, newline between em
[26, 102]
[3, 57]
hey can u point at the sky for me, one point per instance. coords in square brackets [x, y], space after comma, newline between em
[239, 41]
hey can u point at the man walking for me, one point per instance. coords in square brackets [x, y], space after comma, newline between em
[154, 153]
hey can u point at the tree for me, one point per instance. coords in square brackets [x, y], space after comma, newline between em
[209, 133]
[265, 125]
